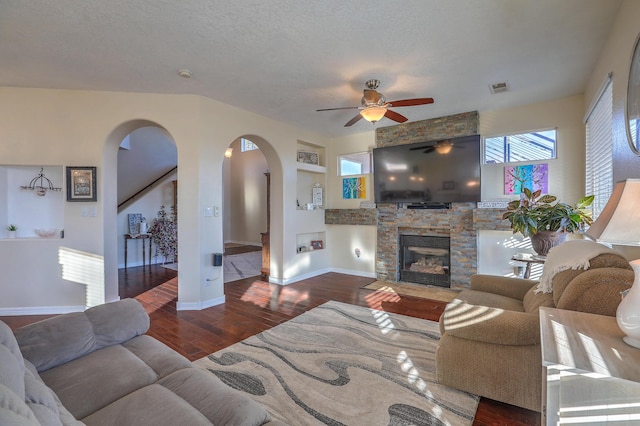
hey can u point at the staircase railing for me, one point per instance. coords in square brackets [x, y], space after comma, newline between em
[146, 188]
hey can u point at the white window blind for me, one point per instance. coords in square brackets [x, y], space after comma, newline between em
[599, 156]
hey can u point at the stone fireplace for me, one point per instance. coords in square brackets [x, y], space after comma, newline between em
[459, 224]
[425, 259]
[455, 224]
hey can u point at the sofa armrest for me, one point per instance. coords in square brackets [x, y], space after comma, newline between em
[490, 325]
[55, 341]
[596, 291]
[514, 288]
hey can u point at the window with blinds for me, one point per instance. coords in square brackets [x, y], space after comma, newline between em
[599, 150]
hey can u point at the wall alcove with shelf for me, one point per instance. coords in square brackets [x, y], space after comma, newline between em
[31, 208]
[311, 180]
[312, 170]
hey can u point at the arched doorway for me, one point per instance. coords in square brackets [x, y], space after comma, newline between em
[246, 209]
[140, 135]
[147, 207]
[265, 189]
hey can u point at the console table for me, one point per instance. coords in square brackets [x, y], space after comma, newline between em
[144, 238]
[592, 376]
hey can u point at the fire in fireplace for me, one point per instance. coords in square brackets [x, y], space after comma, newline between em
[425, 260]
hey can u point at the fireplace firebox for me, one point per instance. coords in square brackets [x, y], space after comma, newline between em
[425, 260]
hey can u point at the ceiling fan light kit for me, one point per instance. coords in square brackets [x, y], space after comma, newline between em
[373, 113]
[374, 105]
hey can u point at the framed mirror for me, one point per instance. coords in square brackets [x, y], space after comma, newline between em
[633, 101]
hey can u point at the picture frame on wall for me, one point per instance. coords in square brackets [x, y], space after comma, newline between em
[81, 184]
[309, 157]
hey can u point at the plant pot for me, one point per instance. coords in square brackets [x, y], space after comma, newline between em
[543, 241]
[12, 234]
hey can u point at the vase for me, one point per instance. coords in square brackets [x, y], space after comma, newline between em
[12, 234]
[543, 241]
[628, 313]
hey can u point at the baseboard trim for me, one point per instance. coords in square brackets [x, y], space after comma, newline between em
[297, 278]
[40, 310]
[352, 272]
[198, 306]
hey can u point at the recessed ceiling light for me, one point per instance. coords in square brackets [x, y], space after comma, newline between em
[184, 73]
[498, 87]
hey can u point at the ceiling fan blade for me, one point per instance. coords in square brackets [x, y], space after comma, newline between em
[392, 115]
[415, 148]
[335, 109]
[411, 102]
[353, 121]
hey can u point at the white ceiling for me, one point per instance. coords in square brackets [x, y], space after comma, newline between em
[286, 58]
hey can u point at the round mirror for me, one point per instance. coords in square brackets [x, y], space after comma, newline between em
[633, 101]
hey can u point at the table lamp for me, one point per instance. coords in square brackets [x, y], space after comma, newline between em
[619, 223]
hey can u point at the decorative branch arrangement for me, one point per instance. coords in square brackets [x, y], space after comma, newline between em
[164, 234]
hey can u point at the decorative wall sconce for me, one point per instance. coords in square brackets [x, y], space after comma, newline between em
[41, 184]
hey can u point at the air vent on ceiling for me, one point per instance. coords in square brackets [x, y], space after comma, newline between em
[498, 87]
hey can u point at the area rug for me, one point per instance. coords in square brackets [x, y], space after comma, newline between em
[341, 364]
[415, 290]
[239, 266]
[172, 266]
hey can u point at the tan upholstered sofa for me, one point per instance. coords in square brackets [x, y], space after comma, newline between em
[99, 368]
[490, 343]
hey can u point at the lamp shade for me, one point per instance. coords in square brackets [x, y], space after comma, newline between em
[373, 113]
[619, 222]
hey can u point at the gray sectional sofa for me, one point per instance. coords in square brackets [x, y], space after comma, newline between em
[99, 368]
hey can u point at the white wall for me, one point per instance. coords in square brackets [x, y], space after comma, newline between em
[566, 172]
[85, 128]
[344, 239]
[246, 195]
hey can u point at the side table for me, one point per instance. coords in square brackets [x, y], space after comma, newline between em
[528, 259]
[592, 376]
[143, 237]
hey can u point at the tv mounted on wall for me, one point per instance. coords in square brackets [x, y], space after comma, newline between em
[428, 173]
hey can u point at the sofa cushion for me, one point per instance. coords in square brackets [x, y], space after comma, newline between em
[158, 356]
[150, 406]
[44, 403]
[117, 322]
[89, 383]
[533, 301]
[188, 397]
[11, 362]
[56, 340]
[480, 298]
[13, 410]
[217, 401]
[63, 338]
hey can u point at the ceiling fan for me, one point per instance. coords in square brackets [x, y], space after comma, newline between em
[375, 106]
[441, 147]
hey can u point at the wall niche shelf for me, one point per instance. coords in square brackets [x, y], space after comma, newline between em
[311, 168]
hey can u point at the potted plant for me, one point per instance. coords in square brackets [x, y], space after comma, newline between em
[12, 230]
[545, 220]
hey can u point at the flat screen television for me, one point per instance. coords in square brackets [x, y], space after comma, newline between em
[429, 173]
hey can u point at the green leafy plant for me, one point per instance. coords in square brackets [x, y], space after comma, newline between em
[12, 228]
[535, 212]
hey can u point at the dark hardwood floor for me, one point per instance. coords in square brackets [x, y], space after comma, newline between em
[253, 306]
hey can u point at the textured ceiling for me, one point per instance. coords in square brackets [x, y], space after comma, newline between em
[286, 58]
